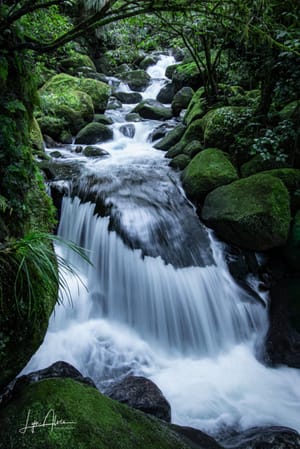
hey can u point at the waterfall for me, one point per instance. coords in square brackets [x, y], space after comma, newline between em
[158, 299]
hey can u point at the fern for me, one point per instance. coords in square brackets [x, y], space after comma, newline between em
[38, 271]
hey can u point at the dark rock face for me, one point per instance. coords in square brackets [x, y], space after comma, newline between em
[195, 438]
[142, 394]
[153, 110]
[158, 133]
[181, 100]
[127, 130]
[91, 151]
[166, 94]
[93, 133]
[171, 138]
[265, 438]
[283, 338]
[128, 97]
[56, 370]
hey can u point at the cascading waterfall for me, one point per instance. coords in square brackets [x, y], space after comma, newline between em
[158, 299]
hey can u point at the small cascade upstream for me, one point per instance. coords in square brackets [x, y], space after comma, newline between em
[158, 299]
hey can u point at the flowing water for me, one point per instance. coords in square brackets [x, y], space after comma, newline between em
[158, 299]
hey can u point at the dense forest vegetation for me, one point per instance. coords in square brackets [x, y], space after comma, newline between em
[241, 62]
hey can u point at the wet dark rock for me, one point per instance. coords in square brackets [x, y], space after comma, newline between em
[148, 61]
[158, 132]
[123, 68]
[91, 151]
[77, 149]
[58, 369]
[113, 103]
[137, 80]
[264, 438]
[93, 133]
[133, 117]
[56, 154]
[181, 100]
[166, 94]
[127, 130]
[128, 97]
[153, 110]
[283, 338]
[101, 118]
[171, 138]
[178, 53]
[51, 143]
[195, 438]
[180, 161]
[142, 394]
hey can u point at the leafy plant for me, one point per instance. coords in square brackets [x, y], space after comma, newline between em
[37, 270]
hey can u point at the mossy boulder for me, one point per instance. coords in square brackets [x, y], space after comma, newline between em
[171, 138]
[101, 118]
[185, 75]
[253, 213]
[180, 161]
[76, 60]
[93, 133]
[63, 85]
[291, 179]
[181, 100]
[36, 139]
[153, 110]
[166, 94]
[137, 80]
[84, 419]
[258, 164]
[207, 170]
[128, 97]
[196, 107]
[292, 250]
[91, 151]
[52, 126]
[148, 61]
[193, 148]
[193, 132]
[220, 125]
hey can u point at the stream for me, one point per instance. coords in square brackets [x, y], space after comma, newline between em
[158, 299]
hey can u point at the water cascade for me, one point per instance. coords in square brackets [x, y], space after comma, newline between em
[158, 299]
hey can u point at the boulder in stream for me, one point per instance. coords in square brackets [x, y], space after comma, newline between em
[264, 438]
[93, 133]
[128, 130]
[253, 212]
[181, 100]
[153, 110]
[92, 151]
[166, 94]
[207, 170]
[142, 394]
[137, 80]
[128, 97]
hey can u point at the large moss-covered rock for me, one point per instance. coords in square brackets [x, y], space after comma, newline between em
[171, 138]
[93, 133]
[64, 84]
[196, 107]
[81, 418]
[253, 213]
[75, 61]
[207, 170]
[137, 80]
[220, 125]
[153, 110]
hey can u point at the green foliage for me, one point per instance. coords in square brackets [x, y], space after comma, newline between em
[33, 261]
[273, 143]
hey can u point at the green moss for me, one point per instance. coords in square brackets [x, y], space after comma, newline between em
[171, 138]
[52, 126]
[36, 139]
[290, 111]
[75, 61]
[253, 213]
[93, 133]
[196, 108]
[180, 161]
[220, 125]
[207, 170]
[98, 422]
